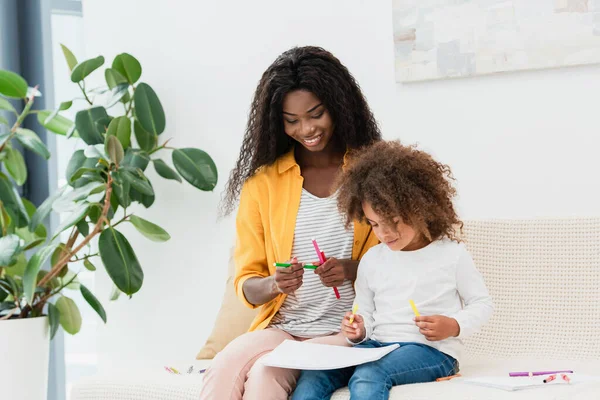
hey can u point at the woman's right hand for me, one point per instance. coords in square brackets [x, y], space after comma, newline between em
[287, 280]
[355, 331]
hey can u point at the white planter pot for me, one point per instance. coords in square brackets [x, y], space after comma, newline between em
[24, 358]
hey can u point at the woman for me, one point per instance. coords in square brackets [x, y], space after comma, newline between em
[308, 113]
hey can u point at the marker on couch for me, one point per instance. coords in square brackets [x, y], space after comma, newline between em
[321, 256]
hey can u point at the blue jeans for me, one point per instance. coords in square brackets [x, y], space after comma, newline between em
[410, 363]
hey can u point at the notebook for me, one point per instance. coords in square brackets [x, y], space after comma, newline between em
[312, 356]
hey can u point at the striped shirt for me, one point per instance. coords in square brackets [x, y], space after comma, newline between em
[313, 310]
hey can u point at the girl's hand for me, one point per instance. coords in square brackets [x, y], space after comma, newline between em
[354, 331]
[288, 280]
[332, 272]
[437, 327]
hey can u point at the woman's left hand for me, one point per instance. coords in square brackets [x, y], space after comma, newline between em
[334, 272]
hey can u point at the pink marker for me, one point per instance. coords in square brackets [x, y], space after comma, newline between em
[321, 256]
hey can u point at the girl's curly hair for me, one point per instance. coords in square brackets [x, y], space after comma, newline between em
[401, 181]
[308, 68]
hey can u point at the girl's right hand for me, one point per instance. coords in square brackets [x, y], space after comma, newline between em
[287, 280]
[355, 331]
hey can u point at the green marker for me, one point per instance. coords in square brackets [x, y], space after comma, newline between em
[286, 265]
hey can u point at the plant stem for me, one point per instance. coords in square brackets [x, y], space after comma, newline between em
[47, 296]
[84, 257]
[20, 119]
[56, 268]
[82, 87]
[122, 220]
[163, 146]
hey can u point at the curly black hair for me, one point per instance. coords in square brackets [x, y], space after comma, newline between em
[301, 68]
[401, 181]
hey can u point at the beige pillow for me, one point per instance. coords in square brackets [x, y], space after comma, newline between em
[233, 319]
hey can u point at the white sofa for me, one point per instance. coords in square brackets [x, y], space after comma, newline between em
[544, 277]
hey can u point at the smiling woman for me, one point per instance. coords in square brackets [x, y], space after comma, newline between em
[307, 113]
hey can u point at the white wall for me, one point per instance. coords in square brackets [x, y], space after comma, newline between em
[520, 144]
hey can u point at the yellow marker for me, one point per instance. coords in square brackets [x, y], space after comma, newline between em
[174, 370]
[412, 304]
[354, 310]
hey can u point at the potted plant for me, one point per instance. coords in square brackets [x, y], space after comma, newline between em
[104, 179]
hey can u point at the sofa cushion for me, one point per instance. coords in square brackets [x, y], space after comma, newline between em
[233, 319]
[157, 384]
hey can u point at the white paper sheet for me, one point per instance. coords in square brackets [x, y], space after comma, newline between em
[525, 382]
[312, 356]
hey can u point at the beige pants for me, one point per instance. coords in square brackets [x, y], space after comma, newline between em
[233, 374]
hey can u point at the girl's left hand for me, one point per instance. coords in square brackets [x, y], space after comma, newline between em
[332, 272]
[437, 327]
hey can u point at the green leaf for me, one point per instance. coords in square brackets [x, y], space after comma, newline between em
[53, 319]
[120, 261]
[136, 159]
[58, 124]
[165, 171]
[121, 189]
[114, 149]
[148, 109]
[57, 254]
[12, 85]
[32, 269]
[85, 121]
[145, 200]
[117, 94]
[12, 202]
[18, 269]
[196, 167]
[44, 209]
[5, 219]
[33, 92]
[70, 317]
[72, 132]
[121, 128]
[115, 293]
[83, 69]
[32, 141]
[93, 302]
[114, 78]
[150, 230]
[128, 66]
[77, 166]
[71, 60]
[146, 140]
[10, 246]
[138, 182]
[6, 105]
[15, 164]
[102, 125]
[65, 105]
[88, 265]
[3, 120]
[73, 218]
[83, 227]
[9, 285]
[95, 151]
[70, 280]
[32, 237]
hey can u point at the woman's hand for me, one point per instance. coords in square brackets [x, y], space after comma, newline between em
[334, 272]
[288, 280]
[437, 327]
[355, 331]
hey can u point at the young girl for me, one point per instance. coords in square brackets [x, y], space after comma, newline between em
[308, 111]
[406, 197]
